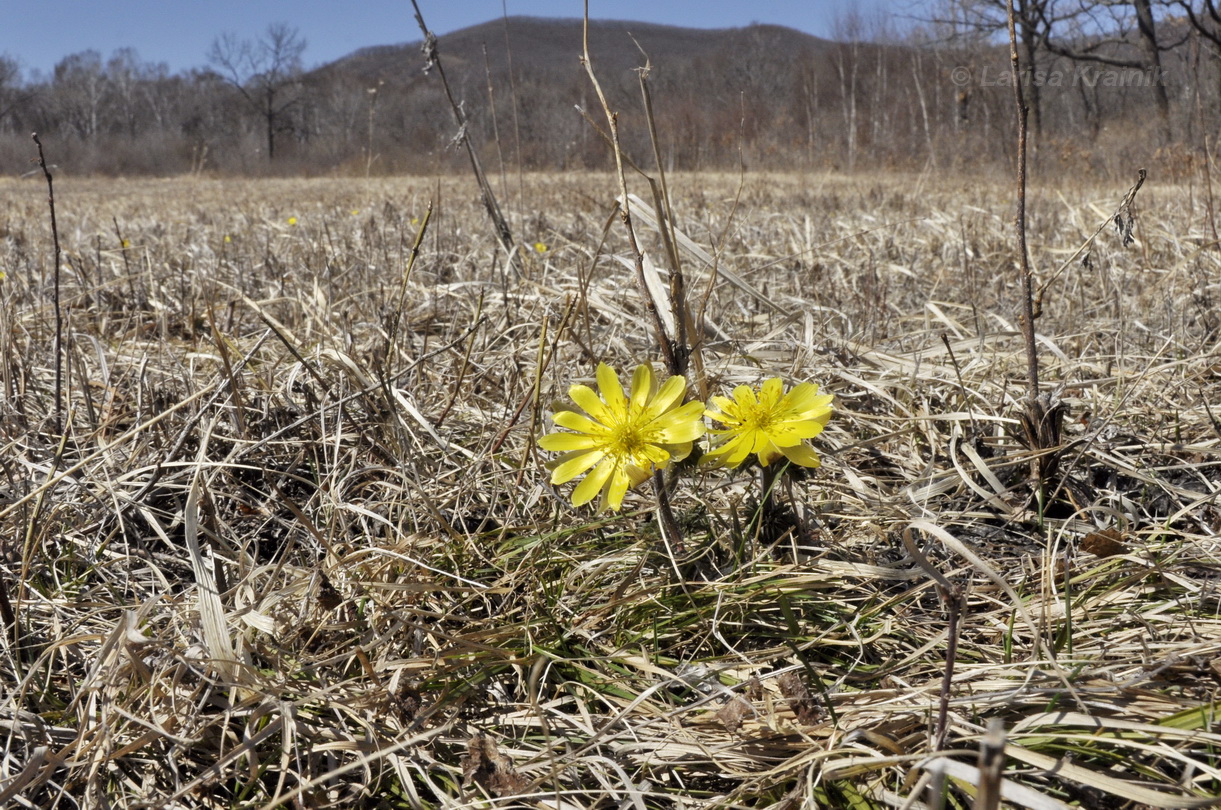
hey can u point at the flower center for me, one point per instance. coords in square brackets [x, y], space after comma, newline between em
[757, 417]
[628, 440]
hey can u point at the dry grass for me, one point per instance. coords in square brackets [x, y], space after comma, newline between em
[297, 547]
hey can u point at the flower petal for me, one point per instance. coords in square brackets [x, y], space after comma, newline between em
[573, 465]
[804, 401]
[589, 402]
[745, 397]
[770, 393]
[730, 454]
[759, 441]
[670, 393]
[801, 454]
[644, 385]
[679, 425]
[563, 442]
[616, 488]
[725, 405]
[593, 483]
[637, 475]
[768, 453]
[612, 393]
[579, 423]
[679, 451]
[791, 433]
[651, 454]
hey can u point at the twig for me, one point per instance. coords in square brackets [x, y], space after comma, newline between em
[503, 233]
[665, 213]
[1122, 213]
[1041, 419]
[59, 318]
[675, 360]
[991, 763]
[955, 603]
[674, 349]
[1019, 220]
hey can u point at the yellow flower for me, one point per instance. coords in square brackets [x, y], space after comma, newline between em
[227, 239]
[540, 247]
[355, 212]
[125, 244]
[292, 220]
[624, 437]
[772, 425]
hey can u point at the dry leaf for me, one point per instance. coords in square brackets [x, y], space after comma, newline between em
[1105, 543]
[408, 701]
[734, 712]
[328, 597]
[800, 700]
[491, 770]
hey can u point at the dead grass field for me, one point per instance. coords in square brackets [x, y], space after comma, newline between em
[297, 547]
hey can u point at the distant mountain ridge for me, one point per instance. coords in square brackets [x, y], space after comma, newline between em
[761, 96]
[549, 41]
[707, 80]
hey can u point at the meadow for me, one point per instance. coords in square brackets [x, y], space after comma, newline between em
[276, 530]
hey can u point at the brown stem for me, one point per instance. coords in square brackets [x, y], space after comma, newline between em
[59, 318]
[675, 361]
[1041, 419]
[953, 597]
[991, 765]
[499, 224]
[767, 503]
[665, 223]
[1032, 355]
[670, 530]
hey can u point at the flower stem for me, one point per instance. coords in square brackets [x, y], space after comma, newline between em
[767, 503]
[670, 532]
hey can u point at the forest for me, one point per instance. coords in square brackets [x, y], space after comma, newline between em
[1101, 79]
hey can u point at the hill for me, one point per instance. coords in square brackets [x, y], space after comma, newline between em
[762, 96]
[543, 46]
[707, 80]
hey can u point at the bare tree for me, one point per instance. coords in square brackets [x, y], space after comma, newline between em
[1204, 16]
[1204, 19]
[984, 20]
[11, 93]
[1104, 34]
[265, 71]
[849, 31]
[124, 72]
[79, 88]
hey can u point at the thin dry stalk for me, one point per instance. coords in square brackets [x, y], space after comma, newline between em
[55, 292]
[991, 765]
[1041, 418]
[499, 224]
[673, 355]
[674, 349]
[678, 286]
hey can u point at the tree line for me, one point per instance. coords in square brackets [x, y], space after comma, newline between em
[1109, 84]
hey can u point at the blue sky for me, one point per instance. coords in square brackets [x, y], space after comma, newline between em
[38, 33]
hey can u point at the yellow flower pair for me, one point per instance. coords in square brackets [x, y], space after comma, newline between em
[622, 437]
